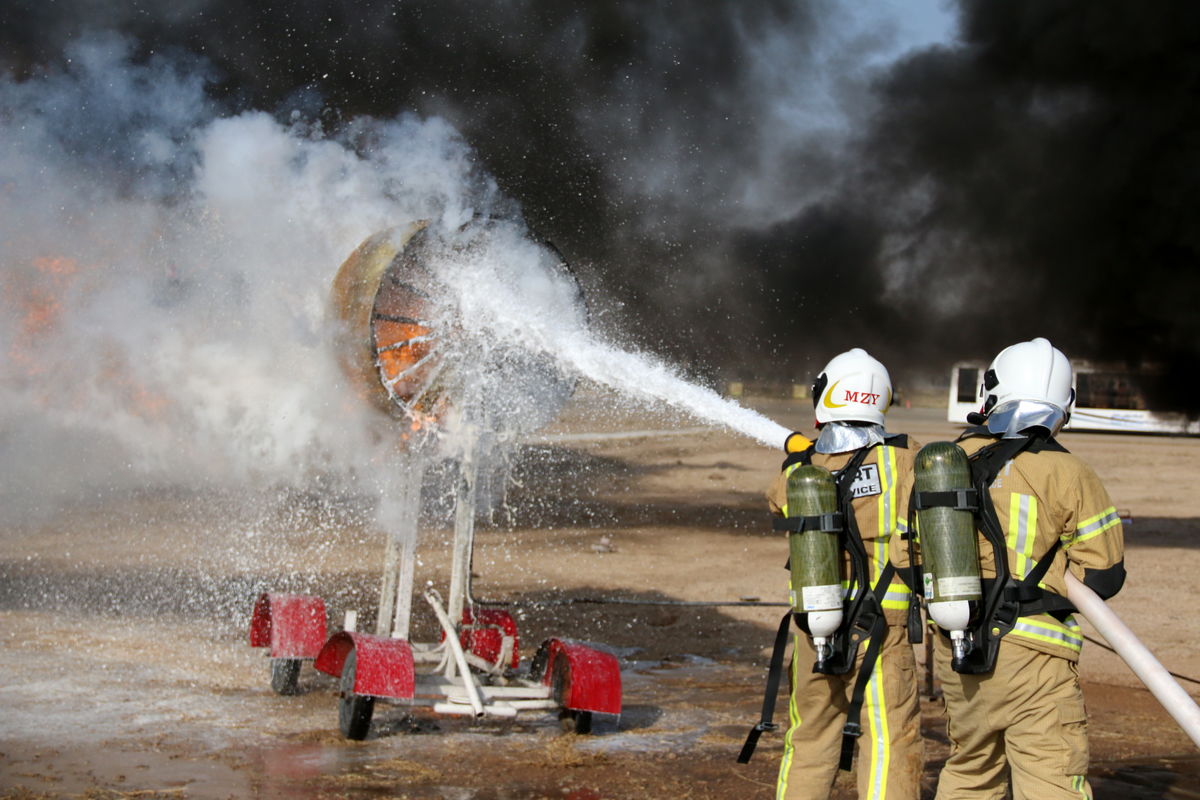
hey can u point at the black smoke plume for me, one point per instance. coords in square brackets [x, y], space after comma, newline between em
[1033, 177]
[1039, 178]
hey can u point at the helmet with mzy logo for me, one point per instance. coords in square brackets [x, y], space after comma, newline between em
[853, 387]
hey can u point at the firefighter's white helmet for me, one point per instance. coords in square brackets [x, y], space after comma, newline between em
[1035, 370]
[853, 387]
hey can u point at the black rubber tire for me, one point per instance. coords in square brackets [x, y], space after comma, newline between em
[354, 710]
[569, 719]
[572, 721]
[285, 676]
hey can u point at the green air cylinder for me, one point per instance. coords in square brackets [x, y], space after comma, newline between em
[949, 547]
[815, 554]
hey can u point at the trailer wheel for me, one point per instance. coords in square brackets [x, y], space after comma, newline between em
[572, 721]
[354, 710]
[285, 675]
[569, 719]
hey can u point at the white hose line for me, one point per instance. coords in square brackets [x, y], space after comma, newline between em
[1174, 699]
[456, 648]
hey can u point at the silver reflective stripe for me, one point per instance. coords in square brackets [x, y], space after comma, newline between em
[1049, 633]
[1092, 528]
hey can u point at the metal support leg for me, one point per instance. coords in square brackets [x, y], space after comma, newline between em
[411, 492]
[387, 592]
[464, 535]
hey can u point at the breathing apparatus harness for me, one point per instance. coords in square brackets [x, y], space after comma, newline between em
[863, 617]
[1005, 598]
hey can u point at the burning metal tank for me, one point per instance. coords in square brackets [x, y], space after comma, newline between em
[431, 342]
[446, 332]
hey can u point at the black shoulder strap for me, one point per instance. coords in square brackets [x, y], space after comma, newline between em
[802, 457]
[987, 461]
[774, 672]
[1037, 442]
[860, 608]
[853, 727]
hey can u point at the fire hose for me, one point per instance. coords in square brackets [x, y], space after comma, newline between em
[1123, 641]
[1174, 699]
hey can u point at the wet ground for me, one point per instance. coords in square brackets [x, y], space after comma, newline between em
[127, 672]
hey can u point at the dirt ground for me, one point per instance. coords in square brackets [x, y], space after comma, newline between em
[127, 670]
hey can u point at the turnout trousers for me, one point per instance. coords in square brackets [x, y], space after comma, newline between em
[1026, 717]
[890, 752]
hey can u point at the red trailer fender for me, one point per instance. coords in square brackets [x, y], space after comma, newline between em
[483, 632]
[383, 665]
[292, 625]
[583, 677]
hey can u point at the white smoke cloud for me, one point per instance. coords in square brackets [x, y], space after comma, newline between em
[166, 272]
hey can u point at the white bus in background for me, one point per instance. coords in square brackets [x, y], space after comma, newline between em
[1106, 399]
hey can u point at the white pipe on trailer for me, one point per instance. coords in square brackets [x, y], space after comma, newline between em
[526, 691]
[1174, 699]
[465, 710]
[456, 648]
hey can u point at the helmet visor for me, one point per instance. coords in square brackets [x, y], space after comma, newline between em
[1016, 416]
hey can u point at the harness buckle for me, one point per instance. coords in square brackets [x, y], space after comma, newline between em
[852, 729]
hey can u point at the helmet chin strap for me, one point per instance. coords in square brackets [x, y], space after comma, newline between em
[1011, 419]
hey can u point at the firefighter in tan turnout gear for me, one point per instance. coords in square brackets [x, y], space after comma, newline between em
[1014, 705]
[852, 672]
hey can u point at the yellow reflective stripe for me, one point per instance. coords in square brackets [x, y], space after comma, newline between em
[877, 720]
[887, 493]
[1094, 526]
[1022, 527]
[897, 597]
[1068, 635]
[789, 749]
[783, 508]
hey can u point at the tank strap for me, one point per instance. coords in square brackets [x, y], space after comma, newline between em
[957, 499]
[1031, 598]
[834, 523]
[774, 673]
